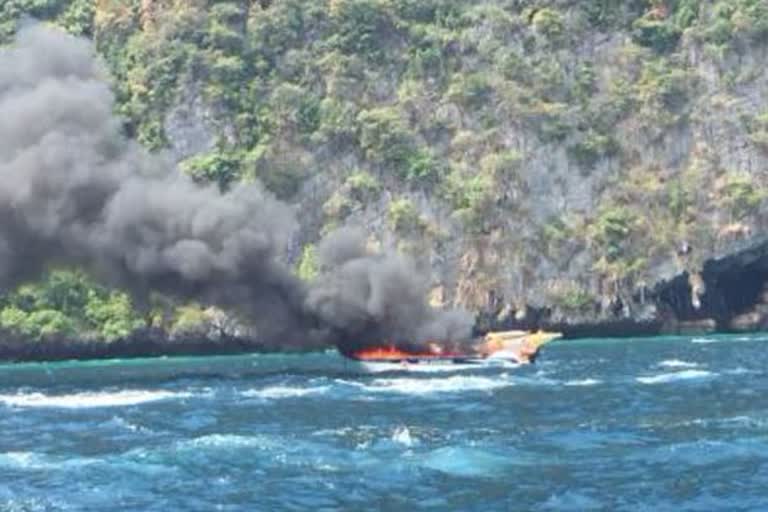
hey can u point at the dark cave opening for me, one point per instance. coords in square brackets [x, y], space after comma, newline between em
[734, 288]
[674, 299]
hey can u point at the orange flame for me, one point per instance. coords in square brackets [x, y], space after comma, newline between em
[394, 353]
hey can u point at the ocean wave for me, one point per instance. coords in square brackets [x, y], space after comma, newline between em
[583, 382]
[271, 450]
[457, 383]
[675, 376]
[571, 500]
[25, 460]
[88, 400]
[225, 441]
[466, 462]
[702, 452]
[32, 505]
[122, 423]
[729, 339]
[704, 341]
[749, 422]
[759, 422]
[677, 363]
[402, 435]
[740, 370]
[39, 461]
[277, 392]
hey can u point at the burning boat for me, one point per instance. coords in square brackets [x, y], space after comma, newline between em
[521, 347]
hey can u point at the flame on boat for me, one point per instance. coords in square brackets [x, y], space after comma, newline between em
[393, 353]
[519, 346]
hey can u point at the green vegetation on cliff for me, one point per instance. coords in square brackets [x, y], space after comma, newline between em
[470, 104]
[68, 303]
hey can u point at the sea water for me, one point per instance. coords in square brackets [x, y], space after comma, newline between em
[678, 424]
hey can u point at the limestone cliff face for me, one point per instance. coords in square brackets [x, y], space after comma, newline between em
[572, 166]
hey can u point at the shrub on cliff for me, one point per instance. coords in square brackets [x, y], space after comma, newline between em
[549, 22]
[357, 191]
[592, 148]
[220, 166]
[362, 27]
[736, 21]
[404, 218]
[570, 296]
[660, 35]
[385, 136]
[38, 325]
[738, 194]
[308, 266]
[112, 314]
[611, 230]
[472, 91]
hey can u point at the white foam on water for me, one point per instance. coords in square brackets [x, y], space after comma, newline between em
[583, 382]
[453, 384]
[538, 380]
[402, 436]
[218, 441]
[380, 367]
[89, 400]
[33, 505]
[26, 460]
[677, 363]
[754, 422]
[739, 339]
[572, 500]
[39, 461]
[278, 392]
[465, 462]
[740, 370]
[703, 341]
[127, 425]
[675, 376]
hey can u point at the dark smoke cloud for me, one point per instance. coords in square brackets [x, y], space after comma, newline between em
[74, 191]
[375, 297]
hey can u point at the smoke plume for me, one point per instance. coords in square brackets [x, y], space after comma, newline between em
[375, 297]
[74, 191]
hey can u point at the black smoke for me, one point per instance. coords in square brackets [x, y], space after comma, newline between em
[368, 297]
[74, 191]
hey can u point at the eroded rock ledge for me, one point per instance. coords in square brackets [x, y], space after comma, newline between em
[730, 294]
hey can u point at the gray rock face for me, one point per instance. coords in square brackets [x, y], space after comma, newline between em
[190, 125]
[510, 264]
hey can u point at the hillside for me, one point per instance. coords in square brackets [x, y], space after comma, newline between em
[558, 158]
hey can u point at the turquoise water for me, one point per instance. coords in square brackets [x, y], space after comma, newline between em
[661, 424]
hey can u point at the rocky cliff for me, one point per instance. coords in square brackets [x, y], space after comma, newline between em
[547, 162]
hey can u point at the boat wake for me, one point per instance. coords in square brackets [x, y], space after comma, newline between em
[458, 383]
[448, 367]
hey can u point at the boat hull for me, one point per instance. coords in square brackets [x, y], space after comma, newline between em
[516, 347]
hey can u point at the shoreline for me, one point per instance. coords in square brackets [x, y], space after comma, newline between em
[148, 344]
[139, 345]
